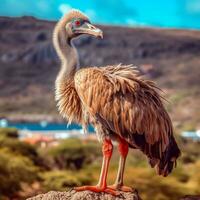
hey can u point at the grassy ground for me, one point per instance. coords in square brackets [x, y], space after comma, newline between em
[27, 170]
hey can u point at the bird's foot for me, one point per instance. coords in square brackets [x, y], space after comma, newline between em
[98, 189]
[122, 188]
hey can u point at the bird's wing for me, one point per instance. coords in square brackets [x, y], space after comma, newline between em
[131, 107]
[124, 102]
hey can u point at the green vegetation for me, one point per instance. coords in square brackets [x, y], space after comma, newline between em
[74, 154]
[19, 148]
[62, 180]
[8, 132]
[16, 163]
[15, 169]
[77, 162]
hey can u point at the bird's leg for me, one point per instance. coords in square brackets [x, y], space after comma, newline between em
[123, 150]
[107, 149]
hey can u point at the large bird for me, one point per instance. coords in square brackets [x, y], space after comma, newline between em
[120, 104]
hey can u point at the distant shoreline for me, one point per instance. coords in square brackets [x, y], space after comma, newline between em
[34, 118]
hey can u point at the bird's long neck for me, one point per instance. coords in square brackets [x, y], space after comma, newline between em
[67, 54]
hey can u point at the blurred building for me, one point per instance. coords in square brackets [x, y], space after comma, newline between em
[191, 135]
[41, 140]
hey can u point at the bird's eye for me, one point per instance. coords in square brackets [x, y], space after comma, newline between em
[77, 23]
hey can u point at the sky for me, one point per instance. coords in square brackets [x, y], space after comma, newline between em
[158, 13]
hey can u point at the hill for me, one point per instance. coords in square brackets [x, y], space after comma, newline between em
[28, 66]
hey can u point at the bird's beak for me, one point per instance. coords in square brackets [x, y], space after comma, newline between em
[89, 29]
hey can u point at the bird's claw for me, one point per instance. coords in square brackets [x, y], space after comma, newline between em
[98, 189]
[122, 188]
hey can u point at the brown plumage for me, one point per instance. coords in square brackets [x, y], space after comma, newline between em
[130, 107]
[115, 99]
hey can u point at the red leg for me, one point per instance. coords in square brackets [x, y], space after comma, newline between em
[123, 148]
[107, 149]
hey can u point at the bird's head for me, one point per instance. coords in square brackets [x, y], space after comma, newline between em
[76, 23]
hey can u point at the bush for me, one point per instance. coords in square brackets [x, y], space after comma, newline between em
[74, 153]
[190, 151]
[62, 180]
[15, 169]
[154, 187]
[9, 132]
[19, 148]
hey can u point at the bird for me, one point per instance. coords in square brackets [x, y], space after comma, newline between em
[122, 105]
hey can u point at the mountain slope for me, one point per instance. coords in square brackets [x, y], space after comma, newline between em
[28, 64]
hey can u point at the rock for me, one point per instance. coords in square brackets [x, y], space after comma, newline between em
[85, 195]
[188, 197]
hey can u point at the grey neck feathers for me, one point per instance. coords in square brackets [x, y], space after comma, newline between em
[67, 54]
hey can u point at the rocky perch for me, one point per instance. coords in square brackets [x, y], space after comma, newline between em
[85, 195]
[188, 197]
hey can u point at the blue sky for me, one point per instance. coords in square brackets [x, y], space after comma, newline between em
[170, 13]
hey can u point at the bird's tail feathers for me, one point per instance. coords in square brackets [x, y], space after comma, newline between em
[167, 162]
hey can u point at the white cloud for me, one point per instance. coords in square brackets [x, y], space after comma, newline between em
[64, 8]
[42, 5]
[131, 22]
[193, 6]
[91, 14]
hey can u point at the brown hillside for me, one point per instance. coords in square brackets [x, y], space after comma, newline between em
[28, 65]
